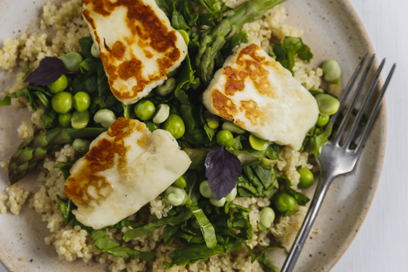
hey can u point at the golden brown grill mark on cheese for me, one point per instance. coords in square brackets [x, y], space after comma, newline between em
[235, 80]
[147, 26]
[252, 112]
[100, 158]
[118, 50]
[224, 105]
[240, 123]
[130, 68]
[249, 65]
[148, 54]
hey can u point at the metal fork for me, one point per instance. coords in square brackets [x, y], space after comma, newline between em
[335, 158]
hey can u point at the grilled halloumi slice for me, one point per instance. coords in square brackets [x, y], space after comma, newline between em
[125, 168]
[137, 44]
[259, 95]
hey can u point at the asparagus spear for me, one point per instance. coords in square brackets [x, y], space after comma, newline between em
[212, 42]
[33, 149]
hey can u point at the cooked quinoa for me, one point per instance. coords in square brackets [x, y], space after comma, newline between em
[72, 243]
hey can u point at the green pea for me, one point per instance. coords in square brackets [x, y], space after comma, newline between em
[105, 117]
[59, 85]
[175, 199]
[81, 146]
[306, 178]
[267, 216]
[322, 120]
[167, 88]
[62, 102]
[233, 128]
[284, 202]
[162, 113]
[145, 110]
[82, 101]
[185, 35]
[225, 137]
[65, 119]
[176, 191]
[180, 183]
[258, 144]
[331, 70]
[328, 105]
[205, 190]
[175, 125]
[218, 203]
[71, 61]
[232, 195]
[213, 121]
[95, 50]
[152, 126]
[80, 119]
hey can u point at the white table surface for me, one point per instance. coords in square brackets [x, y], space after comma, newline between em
[382, 242]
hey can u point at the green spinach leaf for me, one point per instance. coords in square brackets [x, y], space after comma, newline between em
[263, 258]
[286, 52]
[152, 226]
[317, 141]
[103, 243]
[85, 45]
[191, 254]
[257, 180]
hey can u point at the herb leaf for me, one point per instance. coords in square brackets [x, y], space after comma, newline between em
[86, 45]
[316, 142]
[26, 70]
[48, 118]
[286, 52]
[6, 101]
[66, 207]
[263, 258]
[175, 220]
[50, 69]
[207, 229]
[222, 170]
[257, 180]
[200, 252]
[103, 243]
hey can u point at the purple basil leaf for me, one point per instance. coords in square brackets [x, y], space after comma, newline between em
[50, 69]
[222, 170]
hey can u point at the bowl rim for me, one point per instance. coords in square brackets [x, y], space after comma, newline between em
[382, 117]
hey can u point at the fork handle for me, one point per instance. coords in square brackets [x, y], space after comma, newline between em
[307, 225]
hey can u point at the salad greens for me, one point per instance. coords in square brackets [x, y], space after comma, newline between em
[285, 52]
[103, 243]
[257, 180]
[263, 258]
[181, 217]
[201, 227]
[100, 238]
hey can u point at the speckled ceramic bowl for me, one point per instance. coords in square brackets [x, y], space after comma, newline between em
[332, 30]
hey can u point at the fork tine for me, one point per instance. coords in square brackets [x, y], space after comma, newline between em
[365, 103]
[349, 87]
[375, 111]
[343, 124]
